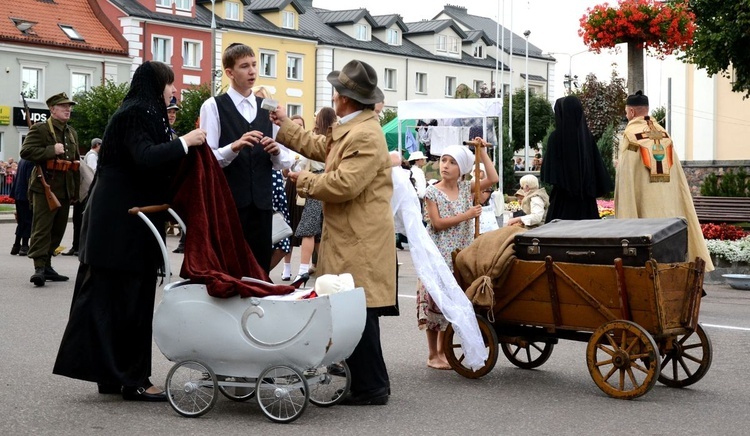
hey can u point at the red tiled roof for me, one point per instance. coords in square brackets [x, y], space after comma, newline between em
[48, 15]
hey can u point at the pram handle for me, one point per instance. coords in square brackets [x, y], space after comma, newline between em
[148, 209]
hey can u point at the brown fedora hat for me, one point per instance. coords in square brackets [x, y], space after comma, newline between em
[358, 81]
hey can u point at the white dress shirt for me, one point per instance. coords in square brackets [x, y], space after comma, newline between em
[247, 106]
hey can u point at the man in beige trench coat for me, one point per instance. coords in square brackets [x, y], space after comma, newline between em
[356, 190]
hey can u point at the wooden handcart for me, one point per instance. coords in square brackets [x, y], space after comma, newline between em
[641, 323]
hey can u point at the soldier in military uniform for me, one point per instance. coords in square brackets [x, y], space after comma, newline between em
[52, 146]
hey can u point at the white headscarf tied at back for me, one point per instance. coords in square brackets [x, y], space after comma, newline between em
[464, 158]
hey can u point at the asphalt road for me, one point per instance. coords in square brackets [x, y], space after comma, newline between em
[557, 398]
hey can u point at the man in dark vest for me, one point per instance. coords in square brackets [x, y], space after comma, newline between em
[52, 146]
[241, 134]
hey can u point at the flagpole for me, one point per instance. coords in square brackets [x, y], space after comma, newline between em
[510, 87]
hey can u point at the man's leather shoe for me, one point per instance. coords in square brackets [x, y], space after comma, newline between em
[140, 394]
[377, 398]
[15, 249]
[109, 389]
[24, 250]
[71, 252]
[38, 277]
[52, 275]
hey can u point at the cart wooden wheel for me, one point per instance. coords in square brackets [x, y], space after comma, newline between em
[623, 359]
[455, 355]
[688, 360]
[527, 354]
[329, 384]
[191, 388]
[237, 388]
[282, 393]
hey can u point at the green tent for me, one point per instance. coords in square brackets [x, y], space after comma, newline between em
[391, 133]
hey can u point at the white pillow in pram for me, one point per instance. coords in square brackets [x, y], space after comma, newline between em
[332, 283]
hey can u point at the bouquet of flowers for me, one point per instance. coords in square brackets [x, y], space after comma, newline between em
[663, 27]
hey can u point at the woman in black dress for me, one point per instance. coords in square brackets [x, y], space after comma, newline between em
[573, 165]
[108, 336]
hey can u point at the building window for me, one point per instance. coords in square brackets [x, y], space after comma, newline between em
[442, 43]
[294, 67]
[31, 83]
[183, 5]
[479, 51]
[478, 85]
[389, 79]
[232, 11]
[392, 37]
[293, 109]
[450, 86]
[267, 64]
[162, 49]
[287, 20]
[164, 3]
[72, 33]
[421, 85]
[191, 53]
[452, 45]
[362, 32]
[79, 83]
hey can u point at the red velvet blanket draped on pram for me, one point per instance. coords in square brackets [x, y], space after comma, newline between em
[216, 253]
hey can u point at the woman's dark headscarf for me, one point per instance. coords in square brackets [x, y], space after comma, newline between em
[572, 160]
[142, 109]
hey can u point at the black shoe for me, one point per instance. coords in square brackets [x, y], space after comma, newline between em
[52, 276]
[38, 277]
[71, 252]
[140, 394]
[24, 250]
[336, 369]
[15, 249]
[300, 280]
[105, 388]
[377, 398]
[180, 249]
[399, 246]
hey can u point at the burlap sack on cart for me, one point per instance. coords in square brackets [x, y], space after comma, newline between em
[483, 266]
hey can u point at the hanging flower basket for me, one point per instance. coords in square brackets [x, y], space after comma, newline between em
[660, 27]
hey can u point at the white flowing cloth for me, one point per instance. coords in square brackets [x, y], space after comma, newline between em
[435, 275]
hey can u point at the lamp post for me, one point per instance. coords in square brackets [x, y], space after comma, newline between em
[526, 138]
[570, 81]
[213, 48]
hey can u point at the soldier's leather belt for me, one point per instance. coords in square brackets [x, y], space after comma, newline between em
[62, 165]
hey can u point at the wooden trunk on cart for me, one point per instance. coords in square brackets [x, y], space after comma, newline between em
[600, 242]
[664, 299]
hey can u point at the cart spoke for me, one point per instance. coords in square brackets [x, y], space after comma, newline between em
[622, 379]
[611, 340]
[632, 378]
[604, 348]
[693, 358]
[639, 368]
[685, 368]
[684, 339]
[604, 362]
[632, 344]
[538, 348]
[691, 346]
[609, 374]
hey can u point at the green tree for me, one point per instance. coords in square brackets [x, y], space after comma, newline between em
[387, 116]
[608, 145]
[721, 40]
[541, 117]
[190, 107]
[603, 103]
[95, 107]
[659, 115]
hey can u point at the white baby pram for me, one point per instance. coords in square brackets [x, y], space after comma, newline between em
[283, 350]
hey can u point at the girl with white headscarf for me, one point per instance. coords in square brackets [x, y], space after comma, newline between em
[450, 214]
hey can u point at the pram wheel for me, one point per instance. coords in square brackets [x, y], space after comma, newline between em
[282, 393]
[328, 384]
[191, 388]
[236, 388]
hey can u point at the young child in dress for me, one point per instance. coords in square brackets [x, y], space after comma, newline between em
[450, 214]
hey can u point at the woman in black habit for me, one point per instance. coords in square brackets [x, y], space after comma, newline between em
[573, 165]
[108, 336]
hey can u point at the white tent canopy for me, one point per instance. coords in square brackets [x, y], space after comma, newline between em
[453, 108]
[450, 108]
